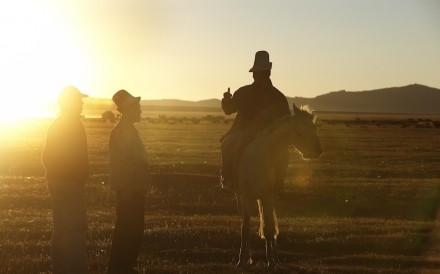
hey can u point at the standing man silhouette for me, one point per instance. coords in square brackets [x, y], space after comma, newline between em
[129, 178]
[65, 159]
[257, 105]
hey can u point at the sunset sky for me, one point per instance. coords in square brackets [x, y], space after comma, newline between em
[196, 49]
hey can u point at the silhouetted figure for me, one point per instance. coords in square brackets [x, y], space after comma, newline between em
[257, 105]
[65, 158]
[108, 115]
[129, 178]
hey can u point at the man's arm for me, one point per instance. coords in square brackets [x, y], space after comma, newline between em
[47, 155]
[229, 102]
[53, 153]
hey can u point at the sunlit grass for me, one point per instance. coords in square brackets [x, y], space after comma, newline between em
[367, 205]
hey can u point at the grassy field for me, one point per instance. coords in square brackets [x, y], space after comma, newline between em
[367, 205]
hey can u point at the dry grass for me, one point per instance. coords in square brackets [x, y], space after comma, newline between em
[368, 205]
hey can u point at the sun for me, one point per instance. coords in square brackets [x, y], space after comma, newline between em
[40, 54]
[26, 107]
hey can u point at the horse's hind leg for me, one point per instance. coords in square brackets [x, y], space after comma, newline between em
[245, 253]
[270, 231]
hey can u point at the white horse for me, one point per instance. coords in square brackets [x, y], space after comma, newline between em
[256, 170]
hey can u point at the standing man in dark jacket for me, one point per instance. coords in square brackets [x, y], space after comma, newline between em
[65, 159]
[129, 178]
[256, 105]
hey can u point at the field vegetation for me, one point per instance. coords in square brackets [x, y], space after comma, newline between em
[369, 204]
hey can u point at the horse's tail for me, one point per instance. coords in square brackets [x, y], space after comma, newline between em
[276, 231]
[239, 208]
[275, 220]
[260, 210]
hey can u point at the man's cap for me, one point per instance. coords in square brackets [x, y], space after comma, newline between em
[70, 93]
[124, 99]
[261, 62]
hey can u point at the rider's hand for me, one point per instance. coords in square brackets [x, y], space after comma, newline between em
[227, 95]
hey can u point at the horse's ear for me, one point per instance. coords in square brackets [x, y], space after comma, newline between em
[295, 109]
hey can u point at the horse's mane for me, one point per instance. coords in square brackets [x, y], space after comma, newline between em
[306, 110]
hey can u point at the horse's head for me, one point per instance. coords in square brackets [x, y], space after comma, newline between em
[303, 133]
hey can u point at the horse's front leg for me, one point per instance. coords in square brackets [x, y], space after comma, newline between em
[245, 252]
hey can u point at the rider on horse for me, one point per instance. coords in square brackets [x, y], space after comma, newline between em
[256, 105]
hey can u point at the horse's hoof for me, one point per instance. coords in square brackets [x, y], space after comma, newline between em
[241, 265]
[273, 263]
[244, 263]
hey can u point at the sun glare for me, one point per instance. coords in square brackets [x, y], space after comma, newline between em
[26, 108]
[40, 54]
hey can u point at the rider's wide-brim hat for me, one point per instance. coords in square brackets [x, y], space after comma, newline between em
[261, 62]
[123, 99]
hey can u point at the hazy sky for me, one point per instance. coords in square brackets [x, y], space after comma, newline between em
[196, 49]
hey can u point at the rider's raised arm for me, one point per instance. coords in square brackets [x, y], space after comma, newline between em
[230, 102]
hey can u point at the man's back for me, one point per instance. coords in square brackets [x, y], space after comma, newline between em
[65, 155]
[256, 106]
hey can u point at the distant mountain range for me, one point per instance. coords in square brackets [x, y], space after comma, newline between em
[412, 99]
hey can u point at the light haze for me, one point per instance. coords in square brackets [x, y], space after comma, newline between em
[194, 50]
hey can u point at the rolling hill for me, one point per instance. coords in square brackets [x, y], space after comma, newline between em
[416, 99]
[413, 99]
